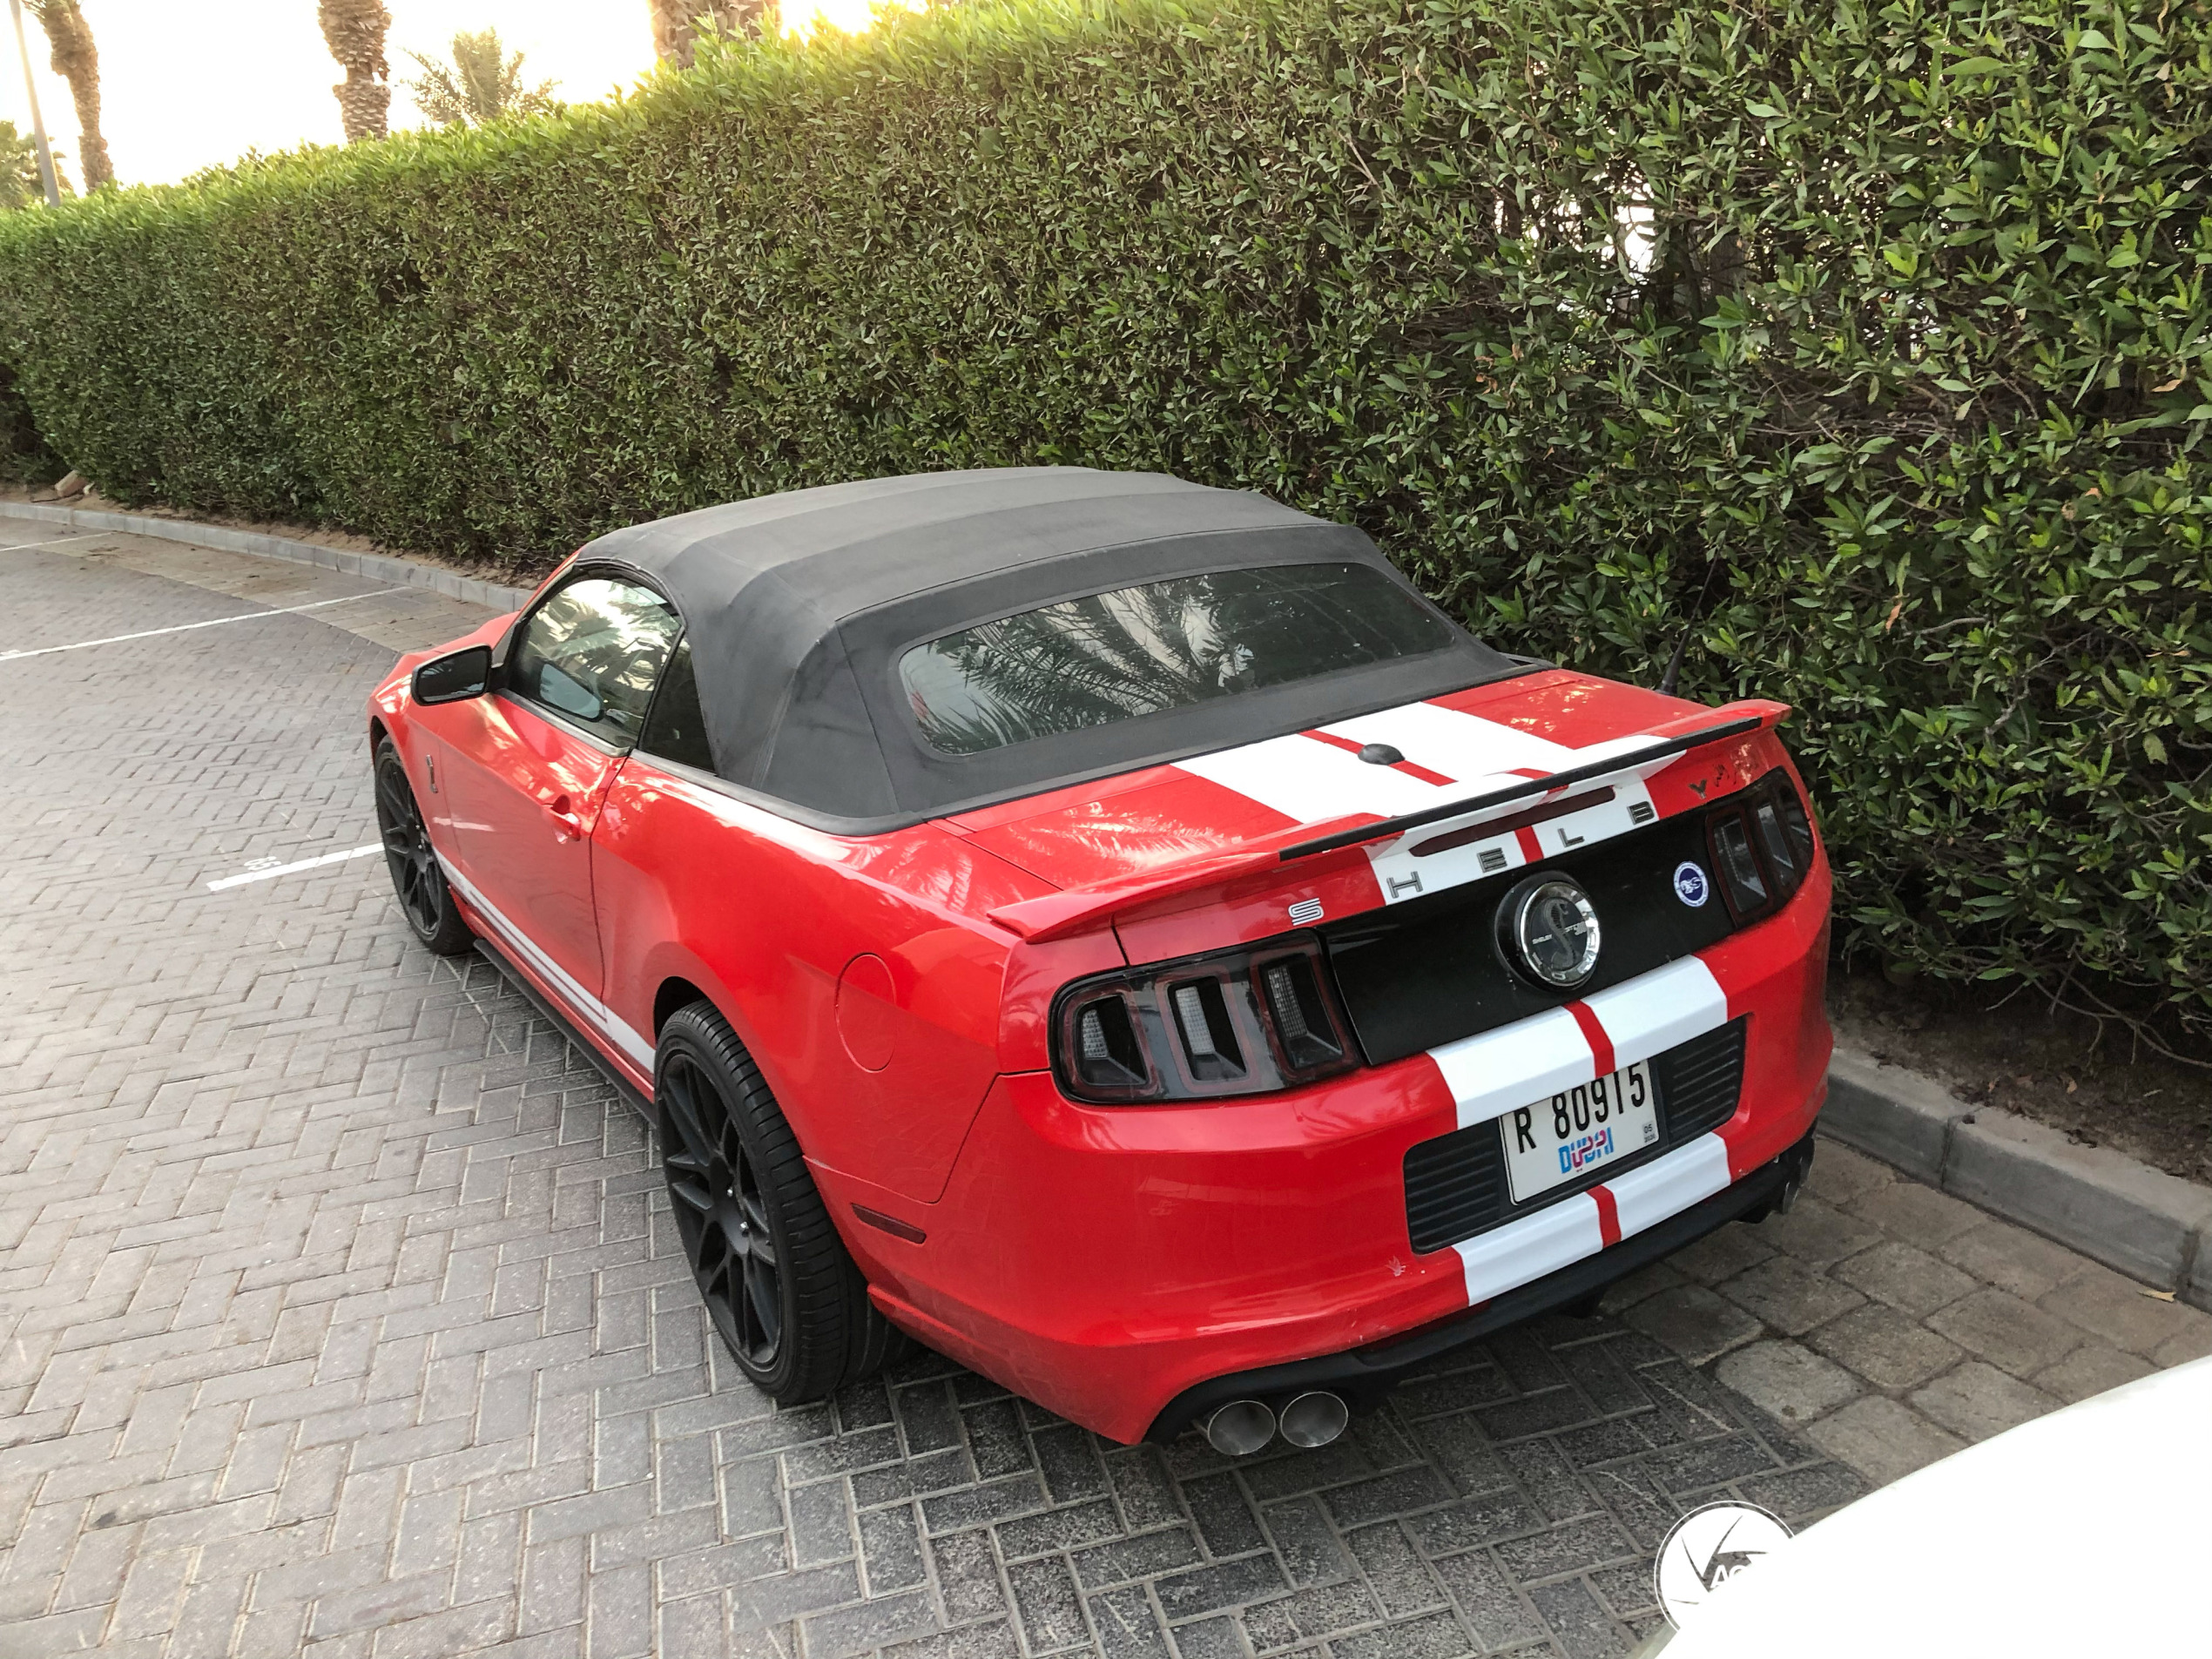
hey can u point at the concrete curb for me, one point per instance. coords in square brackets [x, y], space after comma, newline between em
[378, 567]
[2142, 1221]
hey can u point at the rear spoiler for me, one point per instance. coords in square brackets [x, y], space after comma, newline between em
[1074, 908]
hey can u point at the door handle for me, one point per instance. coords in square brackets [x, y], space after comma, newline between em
[567, 827]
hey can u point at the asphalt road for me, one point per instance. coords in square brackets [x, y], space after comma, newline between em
[341, 1313]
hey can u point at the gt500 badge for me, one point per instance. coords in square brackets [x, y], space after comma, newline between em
[1691, 885]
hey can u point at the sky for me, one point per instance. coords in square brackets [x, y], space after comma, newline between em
[185, 87]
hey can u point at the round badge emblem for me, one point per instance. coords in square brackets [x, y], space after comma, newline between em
[1706, 1548]
[1691, 885]
[1549, 930]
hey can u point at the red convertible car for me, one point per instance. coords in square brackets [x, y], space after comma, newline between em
[1121, 935]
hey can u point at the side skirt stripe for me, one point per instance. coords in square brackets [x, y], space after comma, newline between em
[596, 1013]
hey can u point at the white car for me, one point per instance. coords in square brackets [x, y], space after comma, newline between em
[2085, 1533]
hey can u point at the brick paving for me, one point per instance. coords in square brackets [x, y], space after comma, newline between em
[340, 1313]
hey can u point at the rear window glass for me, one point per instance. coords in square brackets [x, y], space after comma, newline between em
[1163, 645]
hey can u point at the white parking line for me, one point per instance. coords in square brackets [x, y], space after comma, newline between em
[90, 535]
[187, 627]
[295, 867]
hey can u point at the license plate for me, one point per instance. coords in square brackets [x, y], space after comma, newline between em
[1592, 1124]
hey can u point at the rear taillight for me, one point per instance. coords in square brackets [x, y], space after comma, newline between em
[1107, 1056]
[1303, 1019]
[1786, 833]
[1237, 1022]
[1741, 878]
[1762, 845]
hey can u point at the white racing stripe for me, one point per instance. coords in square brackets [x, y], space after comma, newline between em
[1311, 782]
[1463, 747]
[610, 1024]
[1509, 1257]
[1511, 1066]
[1308, 781]
[1495, 1072]
[1651, 1013]
[1561, 1234]
[1403, 872]
[295, 867]
[1402, 876]
[1649, 1193]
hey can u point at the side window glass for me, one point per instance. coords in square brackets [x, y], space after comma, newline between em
[677, 729]
[591, 653]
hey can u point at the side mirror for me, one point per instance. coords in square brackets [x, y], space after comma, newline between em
[457, 675]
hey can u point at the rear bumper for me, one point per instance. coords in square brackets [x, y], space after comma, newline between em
[1362, 1375]
[1119, 1266]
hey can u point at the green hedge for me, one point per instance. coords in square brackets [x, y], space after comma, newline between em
[1902, 419]
[25, 458]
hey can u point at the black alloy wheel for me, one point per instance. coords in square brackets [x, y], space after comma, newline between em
[721, 1215]
[780, 1288]
[425, 900]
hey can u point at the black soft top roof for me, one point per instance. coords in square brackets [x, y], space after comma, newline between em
[798, 607]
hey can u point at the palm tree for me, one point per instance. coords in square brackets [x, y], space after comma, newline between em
[76, 60]
[482, 83]
[675, 24]
[354, 31]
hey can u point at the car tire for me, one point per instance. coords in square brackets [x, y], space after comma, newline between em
[781, 1289]
[417, 880]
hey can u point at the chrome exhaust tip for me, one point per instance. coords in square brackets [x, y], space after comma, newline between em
[1786, 1200]
[1240, 1428]
[1315, 1419]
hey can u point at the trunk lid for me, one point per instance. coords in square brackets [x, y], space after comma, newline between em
[1154, 828]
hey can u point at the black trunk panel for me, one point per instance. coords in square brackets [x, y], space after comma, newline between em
[1421, 973]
